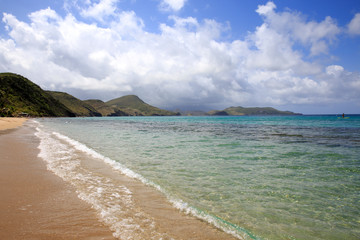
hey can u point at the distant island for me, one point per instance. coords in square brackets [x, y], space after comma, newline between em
[21, 97]
[241, 111]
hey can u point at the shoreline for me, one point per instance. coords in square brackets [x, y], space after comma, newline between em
[35, 203]
[38, 204]
[128, 206]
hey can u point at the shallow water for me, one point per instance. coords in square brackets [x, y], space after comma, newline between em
[295, 177]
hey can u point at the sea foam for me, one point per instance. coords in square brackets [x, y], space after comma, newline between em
[267, 174]
[114, 203]
[177, 203]
[59, 152]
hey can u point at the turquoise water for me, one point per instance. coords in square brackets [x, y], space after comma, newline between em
[294, 177]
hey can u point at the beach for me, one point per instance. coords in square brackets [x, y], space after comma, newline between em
[179, 177]
[9, 123]
[35, 203]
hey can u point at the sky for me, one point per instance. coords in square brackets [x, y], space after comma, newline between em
[297, 55]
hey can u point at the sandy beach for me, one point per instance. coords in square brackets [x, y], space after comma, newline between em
[8, 123]
[36, 204]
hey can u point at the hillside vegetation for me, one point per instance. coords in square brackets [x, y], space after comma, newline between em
[80, 108]
[241, 111]
[21, 97]
[130, 105]
[134, 106]
[101, 107]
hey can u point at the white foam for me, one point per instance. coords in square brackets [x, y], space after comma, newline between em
[113, 203]
[52, 151]
[184, 207]
[82, 147]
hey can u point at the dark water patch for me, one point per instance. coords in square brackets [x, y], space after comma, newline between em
[287, 135]
[293, 167]
[294, 154]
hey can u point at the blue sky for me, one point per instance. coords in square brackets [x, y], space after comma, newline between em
[301, 55]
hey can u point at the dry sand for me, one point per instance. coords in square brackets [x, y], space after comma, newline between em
[34, 203]
[8, 123]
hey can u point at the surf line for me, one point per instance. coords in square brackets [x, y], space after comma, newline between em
[118, 166]
[240, 229]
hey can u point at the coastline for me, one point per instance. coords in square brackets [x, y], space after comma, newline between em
[35, 203]
[129, 207]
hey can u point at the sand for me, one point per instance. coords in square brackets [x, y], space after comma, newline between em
[8, 123]
[35, 203]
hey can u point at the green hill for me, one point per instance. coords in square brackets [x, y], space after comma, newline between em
[19, 96]
[133, 106]
[239, 111]
[104, 109]
[80, 108]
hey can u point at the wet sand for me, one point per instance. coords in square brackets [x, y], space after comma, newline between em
[35, 203]
[168, 220]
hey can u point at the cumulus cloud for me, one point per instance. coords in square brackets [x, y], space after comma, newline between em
[354, 25]
[334, 70]
[344, 84]
[100, 10]
[172, 5]
[185, 64]
[269, 7]
[317, 35]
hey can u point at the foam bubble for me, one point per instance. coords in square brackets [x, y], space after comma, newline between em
[113, 203]
[93, 194]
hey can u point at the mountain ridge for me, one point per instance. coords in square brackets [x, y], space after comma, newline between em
[243, 111]
[133, 105]
[21, 97]
[77, 106]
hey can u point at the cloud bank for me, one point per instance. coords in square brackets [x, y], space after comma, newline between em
[186, 64]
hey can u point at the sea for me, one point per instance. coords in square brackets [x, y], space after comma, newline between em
[254, 177]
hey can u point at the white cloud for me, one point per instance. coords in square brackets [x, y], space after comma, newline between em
[187, 63]
[266, 9]
[317, 35]
[273, 51]
[344, 85]
[354, 25]
[100, 9]
[172, 5]
[334, 70]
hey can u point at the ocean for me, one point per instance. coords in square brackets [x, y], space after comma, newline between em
[254, 177]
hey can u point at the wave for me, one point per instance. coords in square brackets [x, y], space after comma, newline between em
[62, 155]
